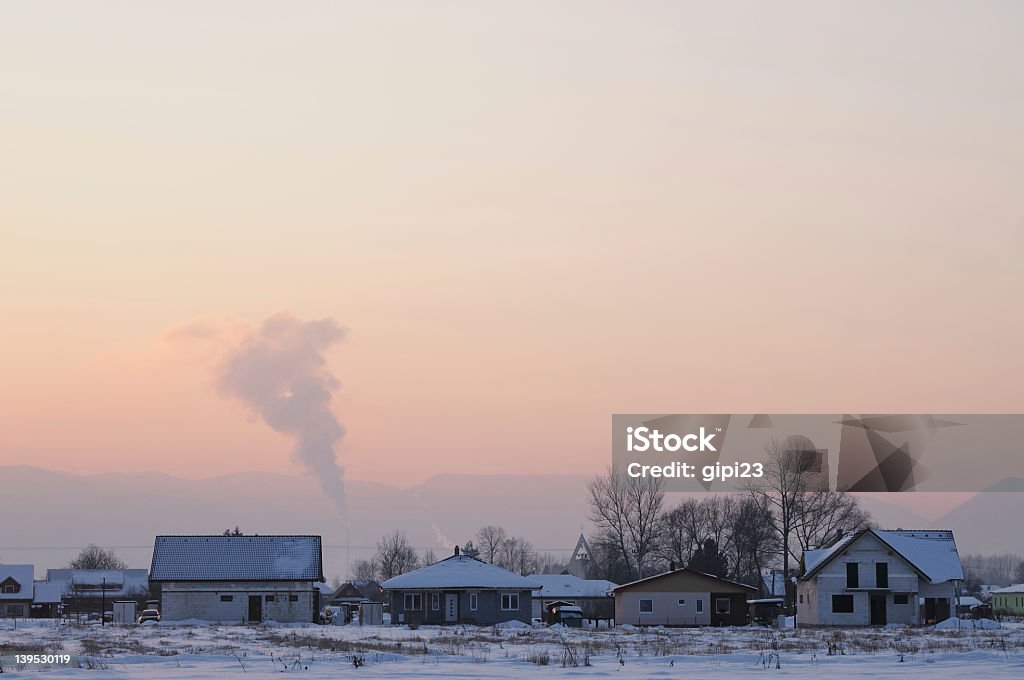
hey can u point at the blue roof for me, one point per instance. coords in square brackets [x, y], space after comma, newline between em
[237, 558]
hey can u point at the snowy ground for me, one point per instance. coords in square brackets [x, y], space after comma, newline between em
[203, 652]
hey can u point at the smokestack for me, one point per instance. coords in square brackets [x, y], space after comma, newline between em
[456, 551]
[279, 372]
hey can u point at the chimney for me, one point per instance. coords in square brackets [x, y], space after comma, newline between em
[671, 566]
[456, 551]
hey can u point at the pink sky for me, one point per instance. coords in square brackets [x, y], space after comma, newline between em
[529, 217]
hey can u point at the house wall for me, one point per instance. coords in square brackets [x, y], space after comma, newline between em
[1008, 603]
[814, 596]
[488, 610]
[202, 600]
[667, 610]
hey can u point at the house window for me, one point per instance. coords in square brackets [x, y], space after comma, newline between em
[413, 602]
[269, 598]
[15, 610]
[227, 598]
[801, 598]
[472, 602]
[882, 575]
[646, 606]
[700, 606]
[900, 598]
[435, 601]
[682, 603]
[722, 605]
[293, 598]
[852, 575]
[510, 602]
[842, 604]
[9, 589]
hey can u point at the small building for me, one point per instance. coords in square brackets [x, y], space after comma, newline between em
[460, 589]
[46, 600]
[84, 591]
[875, 577]
[682, 597]
[17, 586]
[246, 579]
[966, 606]
[592, 596]
[1009, 600]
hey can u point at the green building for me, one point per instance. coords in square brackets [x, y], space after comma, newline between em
[1009, 600]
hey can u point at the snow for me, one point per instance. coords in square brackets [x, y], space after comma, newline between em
[556, 586]
[933, 552]
[953, 623]
[1015, 588]
[812, 558]
[206, 652]
[460, 571]
[23, 574]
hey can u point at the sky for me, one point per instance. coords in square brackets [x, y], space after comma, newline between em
[527, 216]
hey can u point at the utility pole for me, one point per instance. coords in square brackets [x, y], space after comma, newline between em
[103, 604]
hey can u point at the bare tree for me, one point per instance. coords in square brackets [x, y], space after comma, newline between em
[363, 570]
[490, 539]
[628, 514]
[823, 513]
[428, 557]
[394, 556]
[95, 557]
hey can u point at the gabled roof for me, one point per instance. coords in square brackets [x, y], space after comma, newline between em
[460, 571]
[932, 552]
[237, 558]
[1015, 588]
[22, 574]
[567, 585]
[48, 592]
[683, 570]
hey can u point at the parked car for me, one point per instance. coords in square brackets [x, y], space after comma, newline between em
[108, 616]
[149, 615]
[331, 615]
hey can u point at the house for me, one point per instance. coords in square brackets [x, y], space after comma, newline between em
[460, 589]
[356, 592]
[967, 605]
[1009, 600]
[16, 590]
[875, 577]
[682, 597]
[91, 590]
[592, 596]
[46, 600]
[247, 579]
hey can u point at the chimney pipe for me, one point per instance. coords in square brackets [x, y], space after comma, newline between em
[671, 566]
[456, 551]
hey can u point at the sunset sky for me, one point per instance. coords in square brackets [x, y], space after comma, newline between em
[528, 216]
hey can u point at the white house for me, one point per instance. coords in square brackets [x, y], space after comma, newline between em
[16, 589]
[875, 577]
[245, 579]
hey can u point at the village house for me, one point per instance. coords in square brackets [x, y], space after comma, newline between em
[46, 600]
[247, 579]
[16, 590]
[1009, 600]
[91, 590]
[460, 589]
[682, 597]
[876, 577]
[592, 596]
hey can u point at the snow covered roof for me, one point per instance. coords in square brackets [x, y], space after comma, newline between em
[461, 571]
[931, 551]
[237, 558]
[23, 575]
[567, 585]
[968, 601]
[48, 592]
[1015, 588]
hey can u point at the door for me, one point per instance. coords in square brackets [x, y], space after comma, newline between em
[878, 610]
[255, 609]
[451, 607]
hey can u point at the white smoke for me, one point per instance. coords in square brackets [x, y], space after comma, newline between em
[279, 371]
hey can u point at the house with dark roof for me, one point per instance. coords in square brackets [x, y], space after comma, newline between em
[16, 589]
[682, 597]
[244, 579]
[876, 577]
[460, 589]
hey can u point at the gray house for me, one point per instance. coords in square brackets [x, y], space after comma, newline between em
[245, 579]
[460, 589]
[875, 577]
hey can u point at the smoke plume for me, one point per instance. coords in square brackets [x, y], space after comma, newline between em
[279, 372]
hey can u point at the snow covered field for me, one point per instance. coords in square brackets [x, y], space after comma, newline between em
[204, 652]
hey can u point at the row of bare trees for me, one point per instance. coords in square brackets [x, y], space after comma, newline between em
[788, 510]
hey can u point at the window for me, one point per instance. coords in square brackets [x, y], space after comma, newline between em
[722, 605]
[842, 604]
[510, 602]
[682, 603]
[269, 598]
[435, 601]
[646, 606]
[227, 598]
[882, 575]
[900, 598]
[413, 602]
[10, 589]
[801, 598]
[15, 610]
[852, 575]
[472, 602]
[293, 598]
[700, 606]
